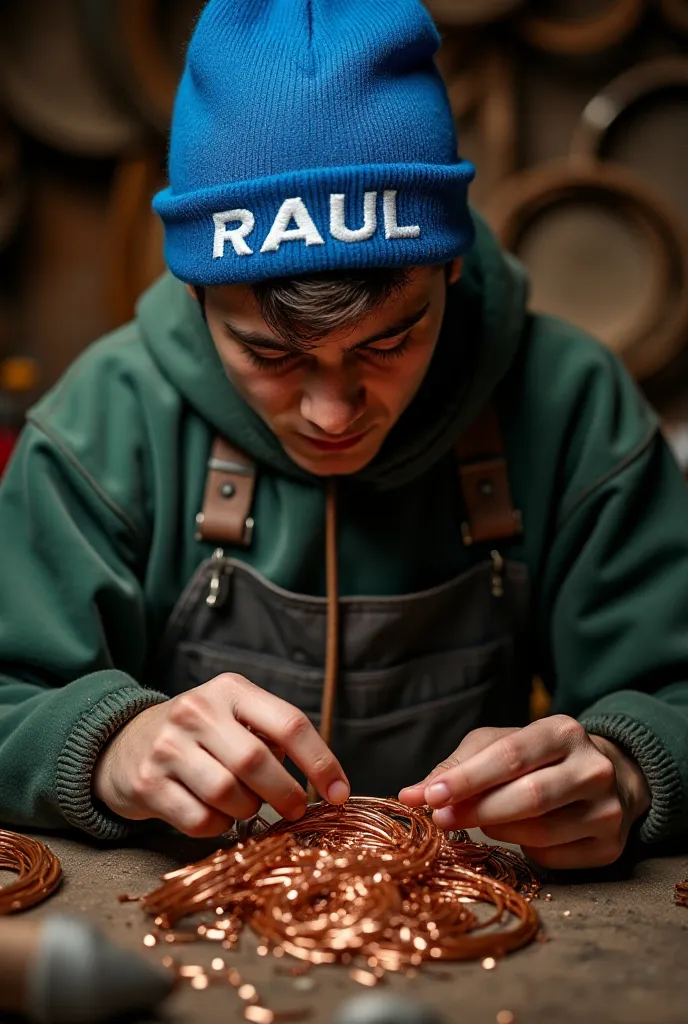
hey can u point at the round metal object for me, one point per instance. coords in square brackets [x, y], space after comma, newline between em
[645, 97]
[575, 37]
[676, 14]
[604, 111]
[650, 324]
[142, 44]
[51, 85]
[471, 12]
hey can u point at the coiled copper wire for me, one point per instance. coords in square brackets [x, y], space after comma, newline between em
[372, 879]
[681, 894]
[38, 869]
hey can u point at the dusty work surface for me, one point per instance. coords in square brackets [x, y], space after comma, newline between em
[619, 955]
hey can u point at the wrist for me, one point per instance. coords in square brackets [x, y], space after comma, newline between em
[634, 791]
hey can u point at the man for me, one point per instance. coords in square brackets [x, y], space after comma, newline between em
[334, 355]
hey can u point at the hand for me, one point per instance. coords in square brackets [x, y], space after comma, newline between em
[214, 754]
[567, 798]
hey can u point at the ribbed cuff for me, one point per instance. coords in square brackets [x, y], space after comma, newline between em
[78, 757]
[656, 764]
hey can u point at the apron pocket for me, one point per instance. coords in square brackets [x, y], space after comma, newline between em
[392, 726]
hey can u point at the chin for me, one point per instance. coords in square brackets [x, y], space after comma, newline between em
[334, 463]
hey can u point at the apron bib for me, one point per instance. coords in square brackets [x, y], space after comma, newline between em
[415, 672]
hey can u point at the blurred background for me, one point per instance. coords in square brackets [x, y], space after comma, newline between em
[575, 112]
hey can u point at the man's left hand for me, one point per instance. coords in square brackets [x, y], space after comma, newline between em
[567, 798]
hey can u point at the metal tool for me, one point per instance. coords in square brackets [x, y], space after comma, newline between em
[64, 971]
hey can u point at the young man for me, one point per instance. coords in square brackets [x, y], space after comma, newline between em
[335, 353]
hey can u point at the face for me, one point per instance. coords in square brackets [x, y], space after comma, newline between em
[332, 406]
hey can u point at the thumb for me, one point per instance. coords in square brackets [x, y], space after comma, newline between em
[472, 744]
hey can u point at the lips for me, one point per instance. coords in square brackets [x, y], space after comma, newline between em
[340, 445]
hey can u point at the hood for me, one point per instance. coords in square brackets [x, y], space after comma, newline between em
[480, 335]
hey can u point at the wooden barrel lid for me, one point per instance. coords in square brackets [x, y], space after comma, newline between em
[605, 252]
[135, 238]
[51, 85]
[641, 120]
[471, 12]
[608, 24]
[142, 44]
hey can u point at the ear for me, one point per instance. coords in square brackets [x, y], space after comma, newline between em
[456, 267]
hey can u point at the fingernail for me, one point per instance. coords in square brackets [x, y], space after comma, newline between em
[444, 819]
[338, 793]
[438, 794]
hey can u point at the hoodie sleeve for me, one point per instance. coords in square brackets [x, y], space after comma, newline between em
[71, 608]
[614, 595]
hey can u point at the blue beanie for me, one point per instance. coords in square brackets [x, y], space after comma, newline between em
[312, 135]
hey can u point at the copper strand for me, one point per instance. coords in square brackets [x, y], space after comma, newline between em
[332, 648]
[681, 894]
[38, 869]
[374, 880]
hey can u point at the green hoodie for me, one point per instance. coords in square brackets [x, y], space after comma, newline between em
[97, 532]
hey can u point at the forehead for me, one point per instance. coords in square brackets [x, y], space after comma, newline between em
[238, 305]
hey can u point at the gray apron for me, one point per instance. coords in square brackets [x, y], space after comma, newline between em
[416, 671]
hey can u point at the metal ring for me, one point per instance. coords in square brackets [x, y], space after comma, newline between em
[583, 36]
[675, 12]
[605, 110]
[471, 12]
[662, 328]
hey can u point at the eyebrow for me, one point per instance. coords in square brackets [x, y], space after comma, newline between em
[255, 339]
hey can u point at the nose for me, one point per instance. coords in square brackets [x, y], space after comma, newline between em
[332, 401]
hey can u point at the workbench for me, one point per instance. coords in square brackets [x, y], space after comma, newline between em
[617, 950]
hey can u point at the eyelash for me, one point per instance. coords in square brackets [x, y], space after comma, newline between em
[274, 365]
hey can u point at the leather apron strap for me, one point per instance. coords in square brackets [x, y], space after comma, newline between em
[490, 512]
[230, 485]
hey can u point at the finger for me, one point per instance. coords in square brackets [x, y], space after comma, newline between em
[173, 803]
[294, 733]
[531, 796]
[565, 825]
[473, 743]
[215, 786]
[507, 758]
[249, 759]
[584, 853]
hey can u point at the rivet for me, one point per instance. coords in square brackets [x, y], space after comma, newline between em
[228, 490]
[486, 487]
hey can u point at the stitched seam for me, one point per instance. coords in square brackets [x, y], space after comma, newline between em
[616, 470]
[85, 475]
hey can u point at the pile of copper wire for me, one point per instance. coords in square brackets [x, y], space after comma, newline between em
[373, 880]
[38, 869]
[681, 894]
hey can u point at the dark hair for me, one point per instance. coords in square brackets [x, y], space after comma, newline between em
[303, 309]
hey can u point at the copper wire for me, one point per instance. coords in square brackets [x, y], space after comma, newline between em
[373, 879]
[332, 646]
[38, 869]
[681, 894]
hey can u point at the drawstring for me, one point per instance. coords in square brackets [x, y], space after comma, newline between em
[332, 648]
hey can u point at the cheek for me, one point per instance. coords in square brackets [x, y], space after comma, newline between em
[265, 394]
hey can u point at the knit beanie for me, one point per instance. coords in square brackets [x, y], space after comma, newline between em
[312, 135]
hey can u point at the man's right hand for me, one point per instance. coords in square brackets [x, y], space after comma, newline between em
[212, 755]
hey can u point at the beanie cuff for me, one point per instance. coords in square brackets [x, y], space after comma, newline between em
[306, 222]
